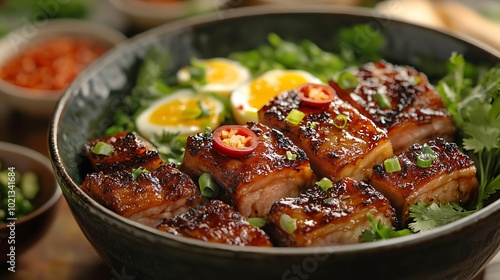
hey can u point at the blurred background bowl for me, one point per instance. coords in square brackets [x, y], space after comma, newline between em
[38, 102]
[455, 251]
[32, 227]
[144, 14]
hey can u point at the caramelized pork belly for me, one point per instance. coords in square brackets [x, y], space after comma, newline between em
[129, 151]
[251, 184]
[335, 216]
[450, 178]
[148, 198]
[333, 152]
[216, 221]
[415, 112]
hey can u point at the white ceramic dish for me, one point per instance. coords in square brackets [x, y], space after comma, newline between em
[36, 102]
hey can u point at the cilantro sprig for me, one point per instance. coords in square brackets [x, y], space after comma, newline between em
[475, 108]
[380, 231]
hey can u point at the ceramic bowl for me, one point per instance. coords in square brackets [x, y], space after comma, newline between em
[141, 14]
[41, 103]
[32, 227]
[455, 251]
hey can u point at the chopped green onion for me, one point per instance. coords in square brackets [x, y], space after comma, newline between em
[324, 184]
[208, 187]
[257, 222]
[287, 223]
[312, 124]
[427, 156]
[295, 117]
[347, 80]
[424, 160]
[392, 164]
[416, 79]
[328, 200]
[426, 149]
[138, 171]
[103, 148]
[382, 100]
[29, 184]
[191, 114]
[340, 121]
[290, 155]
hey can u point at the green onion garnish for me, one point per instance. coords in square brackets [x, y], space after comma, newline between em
[347, 80]
[138, 171]
[191, 113]
[290, 155]
[324, 184]
[424, 160]
[392, 164]
[295, 117]
[312, 124]
[287, 223]
[257, 222]
[207, 186]
[416, 79]
[382, 100]
[426, 157]
[103, 148]
[340, 121]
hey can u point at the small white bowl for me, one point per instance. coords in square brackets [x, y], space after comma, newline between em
[145, 15]
[41, 103]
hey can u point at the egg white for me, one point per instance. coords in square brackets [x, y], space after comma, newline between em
[148, 129]
[224, 89]
[243, 112]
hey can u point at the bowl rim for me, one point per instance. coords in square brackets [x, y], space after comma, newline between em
[153, 234]
[51, 28]
[43, 161]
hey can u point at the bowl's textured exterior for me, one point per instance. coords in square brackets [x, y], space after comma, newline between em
[455, 251]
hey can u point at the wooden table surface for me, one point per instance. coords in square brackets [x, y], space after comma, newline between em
[64, 253]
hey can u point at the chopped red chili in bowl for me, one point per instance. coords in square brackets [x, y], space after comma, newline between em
[51, 64]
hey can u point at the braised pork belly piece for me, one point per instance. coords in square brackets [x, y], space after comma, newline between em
[125, 150]
[147, 197]
[335, 216]
[401, 100]
[450, 177]
[250, 183]
[339, 141]
[216, 221]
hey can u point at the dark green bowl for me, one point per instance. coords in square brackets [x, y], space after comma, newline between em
[458, 250]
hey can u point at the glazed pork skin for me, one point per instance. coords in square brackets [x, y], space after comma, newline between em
[216, 221]
[148, 199]
[130, 151]
[416, 113]
[333, 152]
[251, 184]
[335, 216]
[450, 178]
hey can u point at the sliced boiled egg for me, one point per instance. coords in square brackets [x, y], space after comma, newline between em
[249, 98]
[222, 76]
[184, 112]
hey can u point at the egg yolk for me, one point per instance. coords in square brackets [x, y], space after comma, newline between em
[187, 112]
[220, 72]
[264, 89]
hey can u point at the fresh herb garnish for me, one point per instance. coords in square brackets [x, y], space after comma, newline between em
[138, 171]
[207, 186]
[380, 231]
[476, 112]
[103, 148]
[170, 146]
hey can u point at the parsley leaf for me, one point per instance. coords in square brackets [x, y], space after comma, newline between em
[429, 216]
[138, 171]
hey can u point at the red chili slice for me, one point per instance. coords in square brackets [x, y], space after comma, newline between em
[234, 140]
[316, 95]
